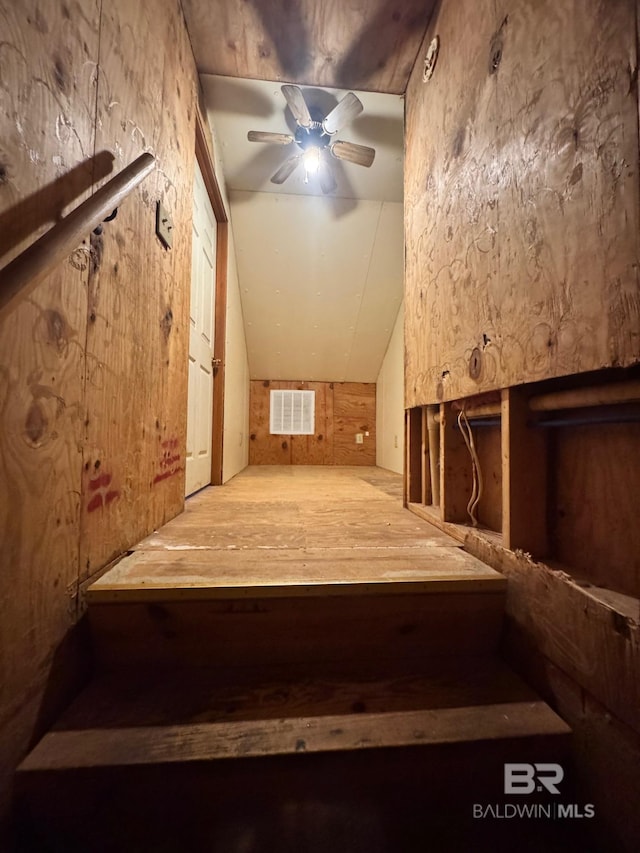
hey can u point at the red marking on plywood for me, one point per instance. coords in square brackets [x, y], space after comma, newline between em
[169, 461]
[101, 494]
[95, 503]
[100, 482]
[166, 474]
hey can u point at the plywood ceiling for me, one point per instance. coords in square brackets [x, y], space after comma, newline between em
[353, 44]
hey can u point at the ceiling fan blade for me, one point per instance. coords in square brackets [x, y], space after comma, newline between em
[327, 179]
[297, 105]
[266, 136]
[286, 169]
[360, 154]
[348, 108]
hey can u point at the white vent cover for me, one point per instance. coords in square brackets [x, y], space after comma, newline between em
[292, 413]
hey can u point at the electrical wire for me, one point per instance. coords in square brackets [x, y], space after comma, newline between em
[477, 488]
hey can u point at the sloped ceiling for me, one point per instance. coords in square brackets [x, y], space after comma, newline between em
[321, 277]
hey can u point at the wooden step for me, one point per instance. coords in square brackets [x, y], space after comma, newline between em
[204, 608]
[147, 760]
[122, 747]
[383, 630]
[159, 717]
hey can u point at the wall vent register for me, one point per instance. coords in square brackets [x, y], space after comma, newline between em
[292, 412]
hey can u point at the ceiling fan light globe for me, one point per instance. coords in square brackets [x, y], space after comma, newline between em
[311, 160]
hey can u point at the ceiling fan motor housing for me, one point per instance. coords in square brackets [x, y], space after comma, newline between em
[312, 137]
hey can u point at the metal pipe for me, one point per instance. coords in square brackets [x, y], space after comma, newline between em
[580, 398]
[589, 420]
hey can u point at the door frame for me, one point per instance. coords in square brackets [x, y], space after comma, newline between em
[204, 156]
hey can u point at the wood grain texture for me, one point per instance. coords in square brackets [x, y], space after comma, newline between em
[47, 104]
[216, 741]
[151, 698]
[606, 753]
[592, 638]
[354, 411]
[456, 476]
[525, 473]
[369, 630]
[22, 276]
[342, 409]
[197, 575]
[488, 448]
[294, 565]
[415, 473]
[264, 448]
[97, 353]
[522, 200]
[138, 311]
[342, 45]
[596, 483]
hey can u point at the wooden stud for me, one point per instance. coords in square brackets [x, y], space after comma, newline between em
[426, 479]
[414, 455]
[433, 436]
[524, 478]
[455, 468]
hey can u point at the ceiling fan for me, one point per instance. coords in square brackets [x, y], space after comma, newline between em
[314, 137]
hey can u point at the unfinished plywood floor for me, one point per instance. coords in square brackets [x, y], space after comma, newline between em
[297, 530]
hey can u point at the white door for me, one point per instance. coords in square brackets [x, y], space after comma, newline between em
[203, 292]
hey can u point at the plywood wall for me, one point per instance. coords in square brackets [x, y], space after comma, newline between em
[521, 189]
[342, 410]
[93, 364]
[595, 483]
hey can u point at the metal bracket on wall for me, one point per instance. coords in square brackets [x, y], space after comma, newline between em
[164, 226]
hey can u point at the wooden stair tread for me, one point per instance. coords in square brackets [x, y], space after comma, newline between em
[248, 739]
[132, 717]
[188, 573]
[159, 696]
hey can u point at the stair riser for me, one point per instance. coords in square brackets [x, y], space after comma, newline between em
[280, 631]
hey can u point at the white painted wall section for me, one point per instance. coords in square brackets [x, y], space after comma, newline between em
[390, 402]
[235, 449]
[235, 455]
